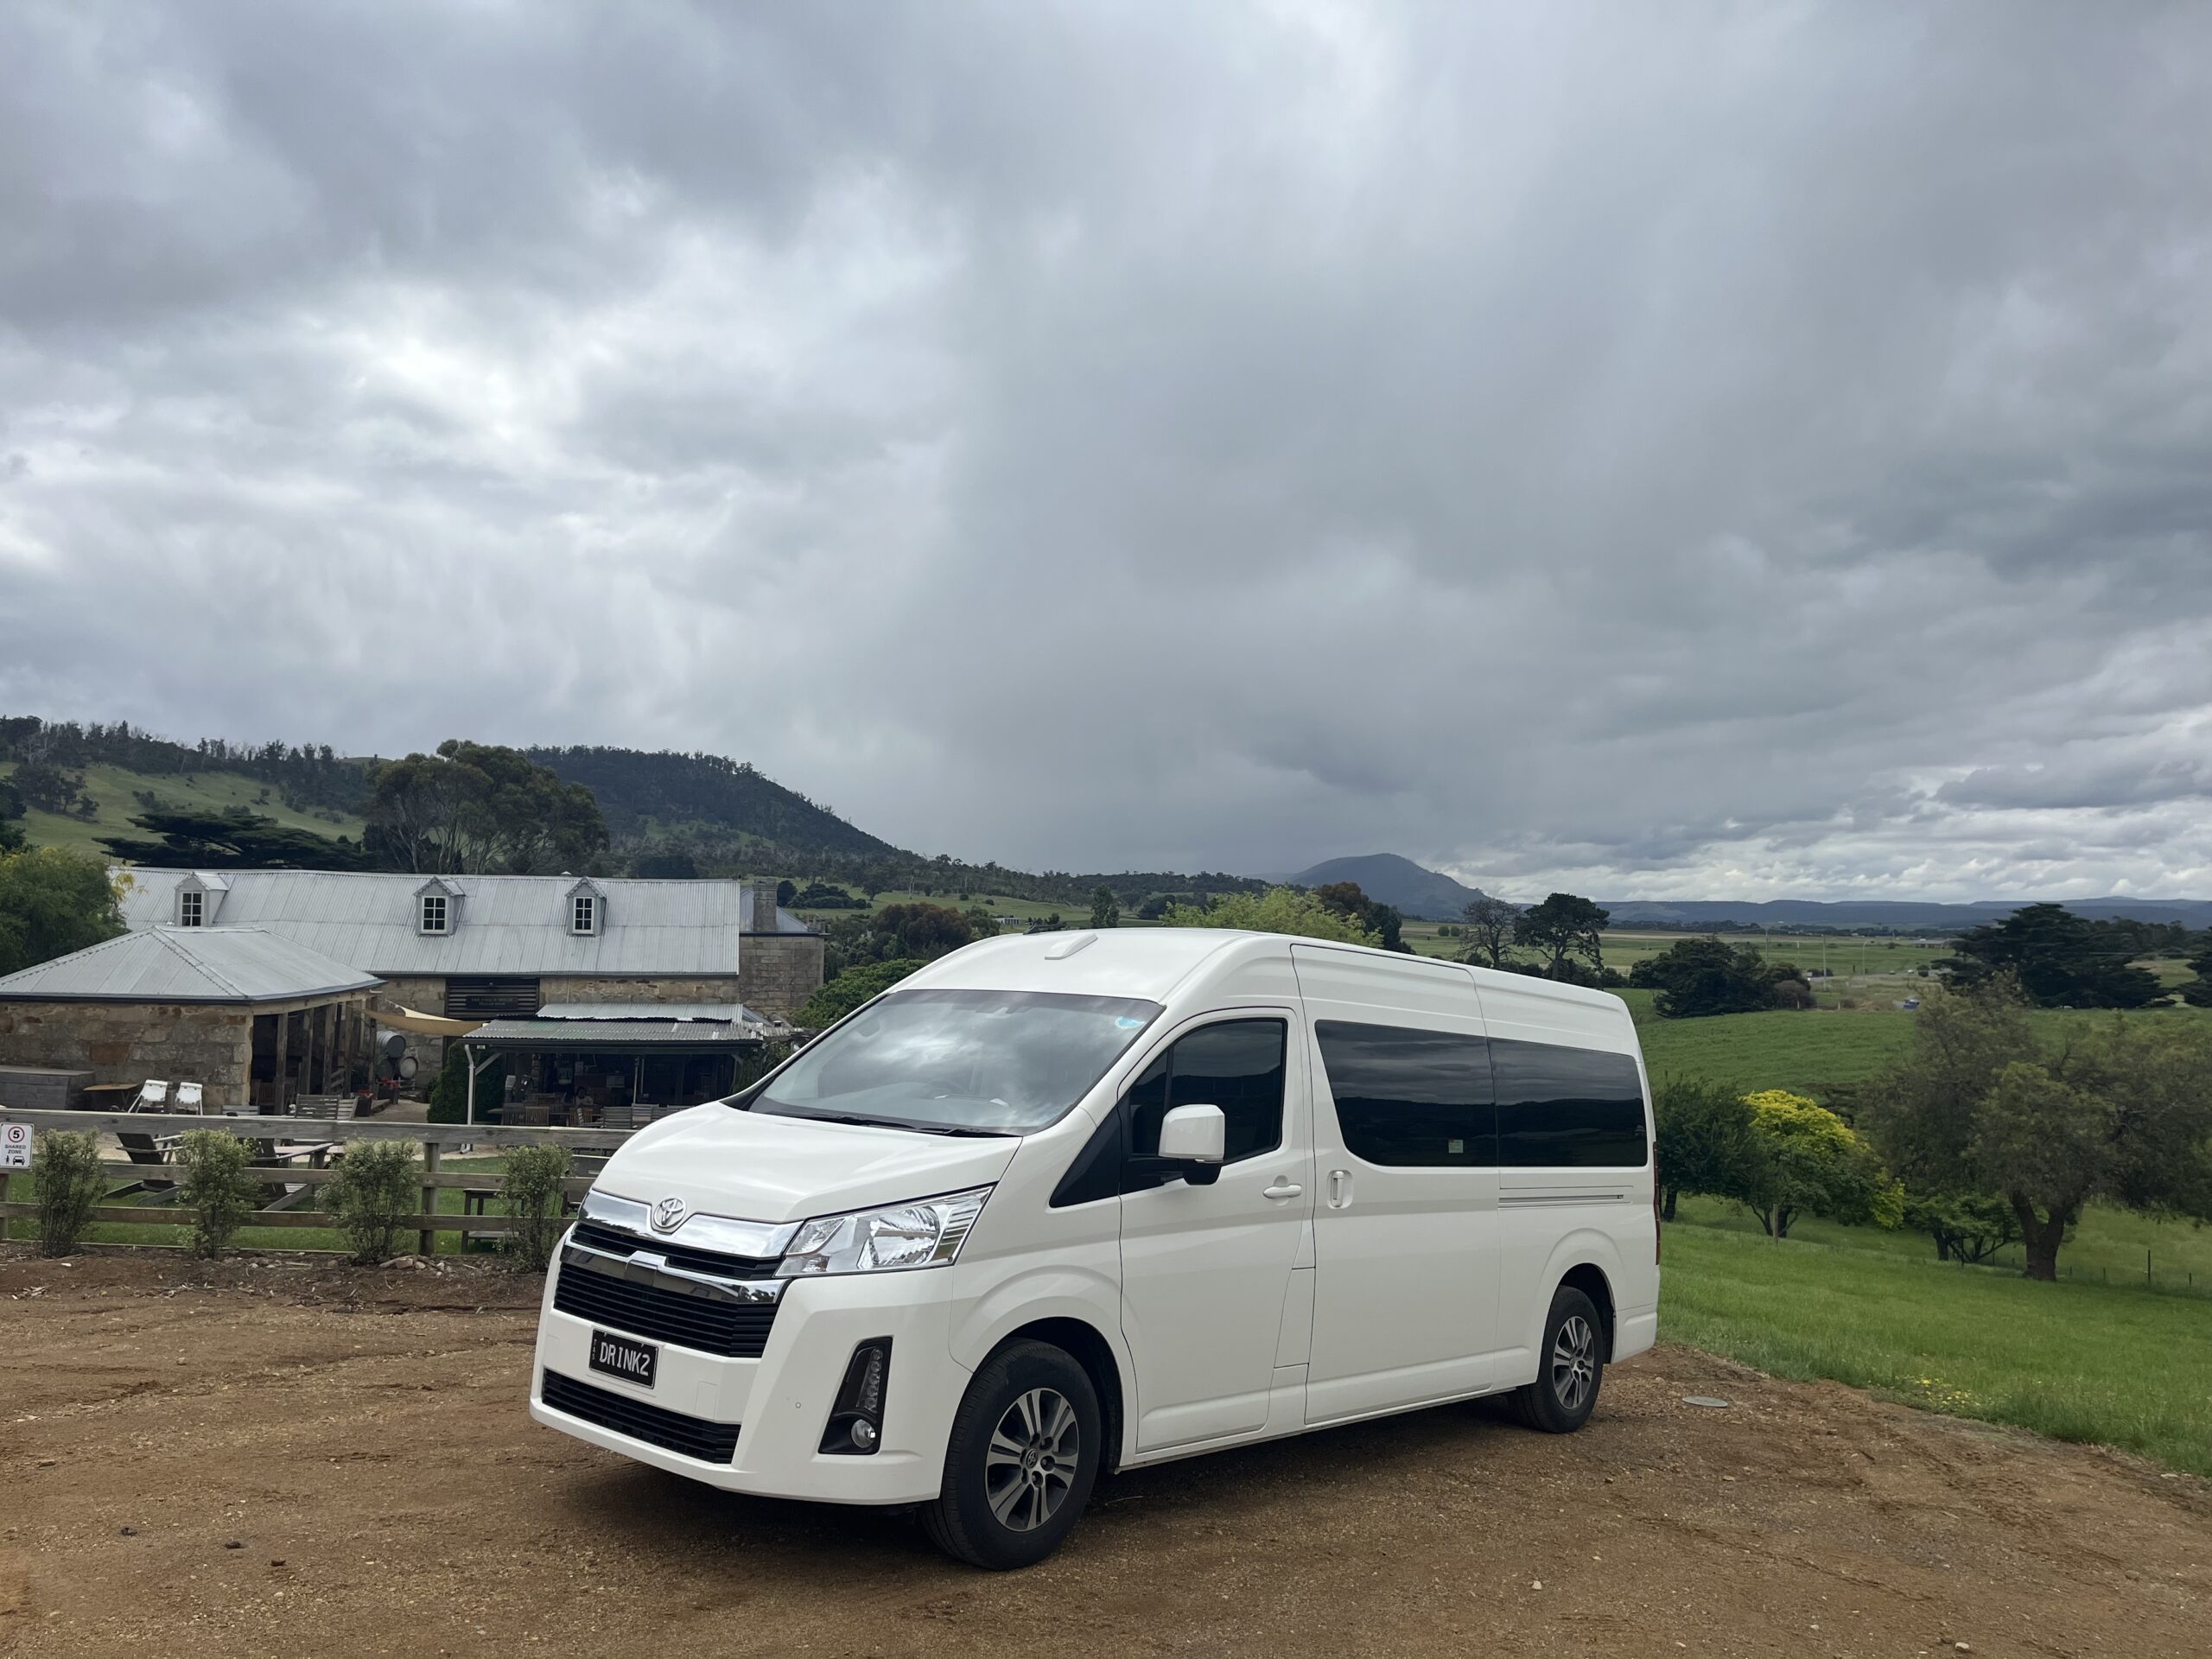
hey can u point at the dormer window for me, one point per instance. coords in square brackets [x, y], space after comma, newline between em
[434, 917]
[191, 907]
[587, 908]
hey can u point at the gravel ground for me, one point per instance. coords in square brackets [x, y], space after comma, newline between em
[270, 1458]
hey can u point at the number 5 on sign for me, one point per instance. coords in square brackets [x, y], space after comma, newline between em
[14, 1146]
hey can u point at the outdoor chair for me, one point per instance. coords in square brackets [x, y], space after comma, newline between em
[142, 1148]
[190, 1098]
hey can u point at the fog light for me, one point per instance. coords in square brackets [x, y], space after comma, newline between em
[856, 1426]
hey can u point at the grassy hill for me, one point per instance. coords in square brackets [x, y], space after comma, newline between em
[115, 793]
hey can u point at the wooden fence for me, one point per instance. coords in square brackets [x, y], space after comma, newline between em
[293, 1183]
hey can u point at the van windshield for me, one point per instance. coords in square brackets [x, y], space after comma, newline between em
[972, 1061]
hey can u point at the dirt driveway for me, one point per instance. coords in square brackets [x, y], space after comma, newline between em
[287, 1461]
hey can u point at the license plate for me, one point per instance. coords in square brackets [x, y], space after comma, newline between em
[625, 1356]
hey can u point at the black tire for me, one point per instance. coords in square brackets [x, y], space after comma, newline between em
[1571, 1366]
[995, 1511]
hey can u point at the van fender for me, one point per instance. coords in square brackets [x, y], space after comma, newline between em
[1056, 1291]
[1584, 1246]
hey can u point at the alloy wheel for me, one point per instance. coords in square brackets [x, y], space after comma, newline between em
[1030, 1467]
[1574, 1362]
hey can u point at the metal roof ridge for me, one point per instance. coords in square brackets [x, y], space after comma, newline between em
[167, 936]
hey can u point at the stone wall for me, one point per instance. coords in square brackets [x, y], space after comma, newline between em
[704, 988]
[426, 995]
[776, 972]
[128, 1042]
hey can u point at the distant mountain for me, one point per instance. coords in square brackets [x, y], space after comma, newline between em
[1389, 879]
[1880, 912]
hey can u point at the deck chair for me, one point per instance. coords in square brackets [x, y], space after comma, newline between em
[140, 1148]
[190, 1098]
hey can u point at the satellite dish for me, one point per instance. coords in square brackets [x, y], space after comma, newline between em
[394, 1045]
[408, 1067]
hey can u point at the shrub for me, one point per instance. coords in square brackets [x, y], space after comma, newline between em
[1706, 1141]
[217, 1187]
[449, 1093]
[66, 1182]
[531, 1181]
[373, 1196]
[1810, 1159]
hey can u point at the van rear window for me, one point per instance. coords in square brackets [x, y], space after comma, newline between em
[1567, 1108]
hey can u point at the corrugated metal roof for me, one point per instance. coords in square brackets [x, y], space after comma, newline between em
[188, 964]
[514, 924]
[537, 1036]
[724, 1012]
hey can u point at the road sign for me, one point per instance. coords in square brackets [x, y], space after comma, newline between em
[14, 1146]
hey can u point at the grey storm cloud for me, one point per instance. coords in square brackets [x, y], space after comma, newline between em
[1669, 451]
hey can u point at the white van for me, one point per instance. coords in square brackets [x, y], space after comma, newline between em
[1064, 1204]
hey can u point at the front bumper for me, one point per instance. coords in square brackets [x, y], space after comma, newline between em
[782, 1400]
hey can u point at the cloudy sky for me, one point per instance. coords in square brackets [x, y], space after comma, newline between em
[1733, 450]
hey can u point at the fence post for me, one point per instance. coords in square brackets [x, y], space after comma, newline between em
[427, 1244]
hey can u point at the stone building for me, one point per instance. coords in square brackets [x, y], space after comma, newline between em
[252, 1018]
[488, 947]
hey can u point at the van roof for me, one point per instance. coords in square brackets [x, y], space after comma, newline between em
[1139, 961]
[1150, 962]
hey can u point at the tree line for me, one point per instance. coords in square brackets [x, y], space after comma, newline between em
[2055, 957]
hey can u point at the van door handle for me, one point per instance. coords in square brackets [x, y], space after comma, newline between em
[1281, 1189]
[1339, 1188]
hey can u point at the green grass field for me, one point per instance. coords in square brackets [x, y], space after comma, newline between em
[2104, 1363]
[2111, 1246]
[1810, 1052]
[112, 790]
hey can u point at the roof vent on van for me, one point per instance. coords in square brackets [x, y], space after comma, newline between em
[1059, 950]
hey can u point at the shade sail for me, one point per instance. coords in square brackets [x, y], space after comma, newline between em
[425, 1025]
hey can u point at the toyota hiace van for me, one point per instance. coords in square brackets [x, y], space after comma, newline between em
[1066, 1204]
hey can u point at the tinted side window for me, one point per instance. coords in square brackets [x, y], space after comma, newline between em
[1572, 1106]
[1409, 1097]
[1236, 1065]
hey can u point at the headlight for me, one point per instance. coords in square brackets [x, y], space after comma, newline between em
[926, 1234]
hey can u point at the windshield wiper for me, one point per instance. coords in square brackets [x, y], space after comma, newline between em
[893, 1124]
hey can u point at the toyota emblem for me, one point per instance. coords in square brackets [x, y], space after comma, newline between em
[668, 1215]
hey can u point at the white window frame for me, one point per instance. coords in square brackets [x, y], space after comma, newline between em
[583, 912]
[444, 911]
[191, 907]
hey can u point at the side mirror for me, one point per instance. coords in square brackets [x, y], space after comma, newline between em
[1197, 1136]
